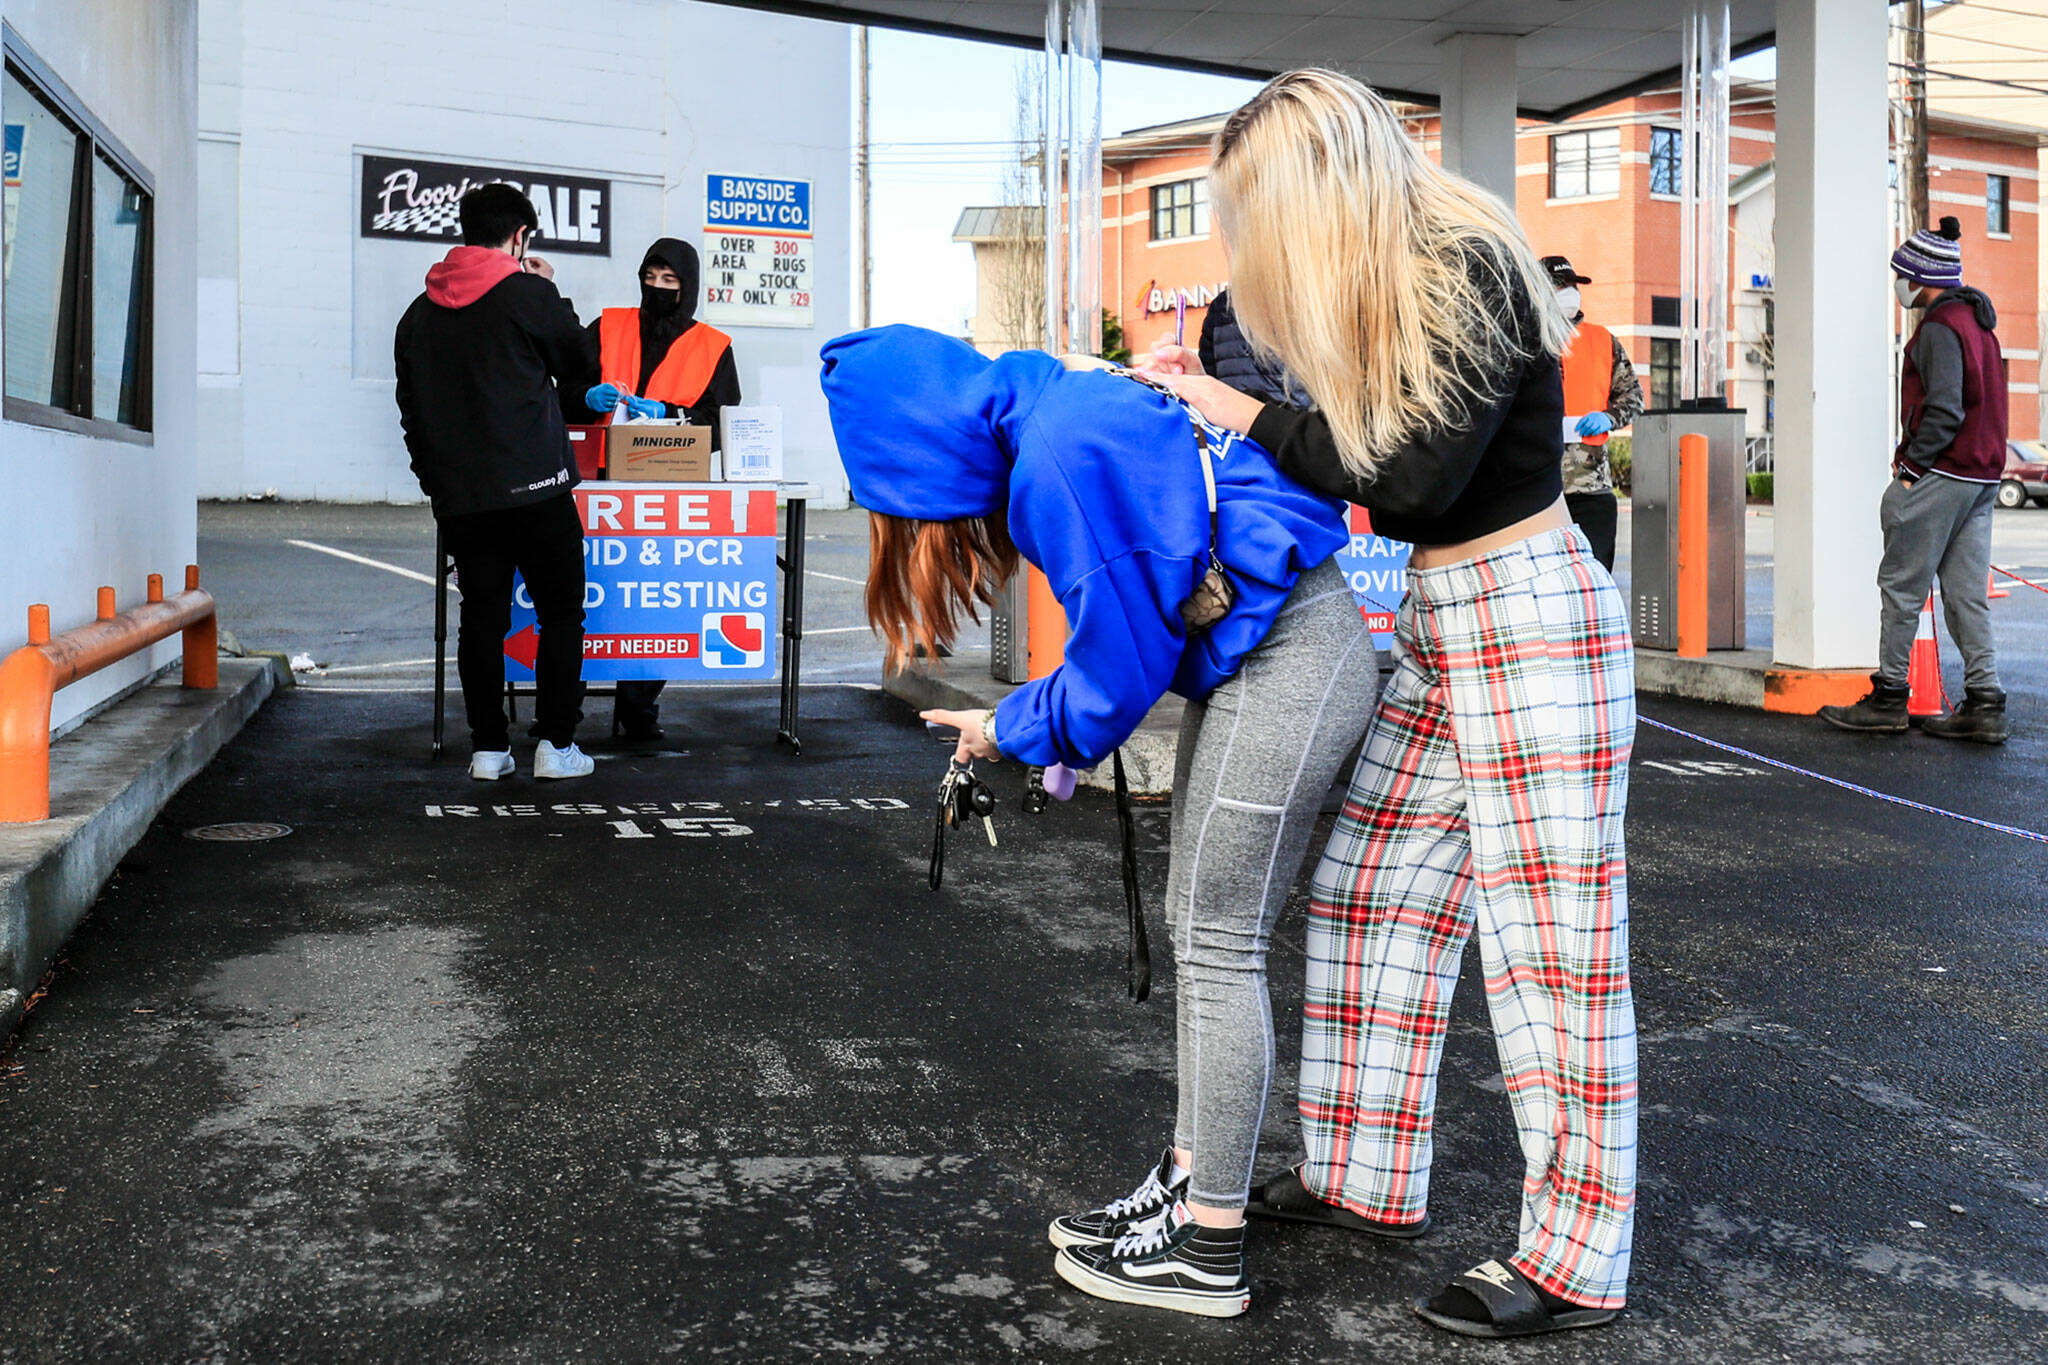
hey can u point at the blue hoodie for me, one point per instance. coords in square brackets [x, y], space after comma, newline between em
[1103, 481]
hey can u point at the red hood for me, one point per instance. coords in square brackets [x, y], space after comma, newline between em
[466, 274]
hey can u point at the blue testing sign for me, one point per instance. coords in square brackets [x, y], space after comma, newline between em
[1376, 569]
[679, 582]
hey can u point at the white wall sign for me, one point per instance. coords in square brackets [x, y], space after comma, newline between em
[757, 252]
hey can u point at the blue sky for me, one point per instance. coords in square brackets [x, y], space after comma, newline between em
[939, 107]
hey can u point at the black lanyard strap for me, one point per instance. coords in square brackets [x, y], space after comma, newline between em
[1138, 950]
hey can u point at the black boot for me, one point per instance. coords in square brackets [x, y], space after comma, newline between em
[1883, 712]
[1981, 718]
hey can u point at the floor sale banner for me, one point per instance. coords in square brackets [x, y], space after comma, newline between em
[679, 582]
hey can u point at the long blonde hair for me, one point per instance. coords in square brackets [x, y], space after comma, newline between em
[1378, 280]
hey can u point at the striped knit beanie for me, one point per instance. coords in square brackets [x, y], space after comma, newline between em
[1933, 259]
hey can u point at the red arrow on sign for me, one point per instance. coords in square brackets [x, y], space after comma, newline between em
[523, 647]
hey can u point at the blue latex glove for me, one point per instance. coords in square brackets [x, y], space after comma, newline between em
[601, 398]
[645, 407]
[1595, 424]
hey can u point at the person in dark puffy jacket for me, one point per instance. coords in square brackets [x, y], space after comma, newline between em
[1227, 355]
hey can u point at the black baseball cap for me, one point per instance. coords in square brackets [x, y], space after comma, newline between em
[1561, 272]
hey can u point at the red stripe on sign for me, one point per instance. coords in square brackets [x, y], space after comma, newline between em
[691, 509]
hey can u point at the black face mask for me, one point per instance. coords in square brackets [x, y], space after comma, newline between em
[656, 302]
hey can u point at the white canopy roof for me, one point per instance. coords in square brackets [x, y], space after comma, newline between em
[1573, 54]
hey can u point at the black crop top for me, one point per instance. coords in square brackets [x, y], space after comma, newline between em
[1453, 484]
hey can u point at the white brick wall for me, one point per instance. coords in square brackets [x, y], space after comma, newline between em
[650, 94]
[77, 511]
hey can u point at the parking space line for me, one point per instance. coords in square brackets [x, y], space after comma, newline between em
[413, 574]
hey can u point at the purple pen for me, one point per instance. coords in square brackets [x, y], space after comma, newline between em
[1180, 318]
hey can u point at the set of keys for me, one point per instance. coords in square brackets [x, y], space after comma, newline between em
[962, 797]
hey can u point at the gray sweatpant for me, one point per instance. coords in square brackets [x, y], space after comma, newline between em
[1936, 525]
[1254, 762]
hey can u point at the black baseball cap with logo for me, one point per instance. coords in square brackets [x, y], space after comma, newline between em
[1561, 272]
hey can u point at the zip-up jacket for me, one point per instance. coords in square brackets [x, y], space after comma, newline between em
[1952, 404]
[1102, 480]
[478, 357]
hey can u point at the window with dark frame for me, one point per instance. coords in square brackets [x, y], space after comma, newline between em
[1667, 170]
[1180, 209]
[1585, 165]
[1663, 372]
[1998, 204]
[78, 243]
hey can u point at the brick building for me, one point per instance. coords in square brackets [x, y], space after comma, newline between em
[1601, 188]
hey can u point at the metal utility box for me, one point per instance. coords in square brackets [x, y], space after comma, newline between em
[1653, 541]
[1009, 636]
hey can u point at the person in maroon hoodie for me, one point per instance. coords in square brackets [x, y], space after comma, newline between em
[1936, 513]
[479, 357]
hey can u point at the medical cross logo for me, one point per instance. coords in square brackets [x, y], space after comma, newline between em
[735, 639]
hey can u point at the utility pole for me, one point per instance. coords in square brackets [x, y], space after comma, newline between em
[863, 160]
[1913, 149]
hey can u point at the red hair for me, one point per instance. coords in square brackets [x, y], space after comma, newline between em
[923, 574]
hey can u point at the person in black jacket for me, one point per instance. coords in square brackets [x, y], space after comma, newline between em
[1227, 355]
[661, 362]
[479, 355]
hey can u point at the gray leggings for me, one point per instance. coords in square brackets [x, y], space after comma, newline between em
[1254, 762]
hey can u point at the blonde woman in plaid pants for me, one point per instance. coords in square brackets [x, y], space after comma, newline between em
[1490, 794]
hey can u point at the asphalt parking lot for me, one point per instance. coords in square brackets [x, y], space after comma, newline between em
[683, 1061]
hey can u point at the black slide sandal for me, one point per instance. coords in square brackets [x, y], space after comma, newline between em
[1511, 1300]
[1285, 1199]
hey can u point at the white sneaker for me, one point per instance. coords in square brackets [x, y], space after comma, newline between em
[488, 765]
[548, 761]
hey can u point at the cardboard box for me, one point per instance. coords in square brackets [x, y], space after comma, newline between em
[659, 452]
[752, 444]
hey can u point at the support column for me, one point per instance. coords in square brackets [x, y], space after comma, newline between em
[1833, 367]
[1479, 110]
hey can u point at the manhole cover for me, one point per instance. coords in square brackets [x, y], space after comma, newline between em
[239, 832]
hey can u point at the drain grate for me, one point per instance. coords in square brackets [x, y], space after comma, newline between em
[239, 832]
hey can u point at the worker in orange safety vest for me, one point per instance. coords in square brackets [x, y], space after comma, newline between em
[1601, 393]
[661, 362]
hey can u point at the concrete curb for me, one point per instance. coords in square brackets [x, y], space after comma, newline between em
[1148, 754]
[109, 780]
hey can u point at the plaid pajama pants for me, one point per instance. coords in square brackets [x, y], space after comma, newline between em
[1489, 797]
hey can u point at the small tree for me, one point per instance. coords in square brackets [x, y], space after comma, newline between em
[1113, 348]
[1017, 271]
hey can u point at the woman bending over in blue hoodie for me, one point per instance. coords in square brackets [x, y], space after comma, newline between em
[1490, 795]
[964, 464]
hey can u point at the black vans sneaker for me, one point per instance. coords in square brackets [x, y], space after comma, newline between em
[1098, 1227]
[1168, 1261]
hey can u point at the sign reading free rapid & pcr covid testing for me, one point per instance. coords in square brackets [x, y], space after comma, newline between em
[757, 252]
[1377, 571]
[678, 582]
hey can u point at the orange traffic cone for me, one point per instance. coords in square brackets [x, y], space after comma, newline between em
[1923, 671]
[1991, 588]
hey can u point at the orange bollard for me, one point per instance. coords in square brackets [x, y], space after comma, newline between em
[156, 587]
[1991, 589]
[1923, 672]
[39, 624]
[201, 643]
[1045, 643]
[1692, 546]
[106, 604]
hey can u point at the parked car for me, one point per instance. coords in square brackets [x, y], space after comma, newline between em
[2026, 474]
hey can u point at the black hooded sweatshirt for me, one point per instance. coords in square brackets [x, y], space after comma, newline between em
[666, 314]
[480, 357]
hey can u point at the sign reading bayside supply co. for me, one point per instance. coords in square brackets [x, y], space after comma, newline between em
[407, 199]
[678, 582]
[757, 252]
